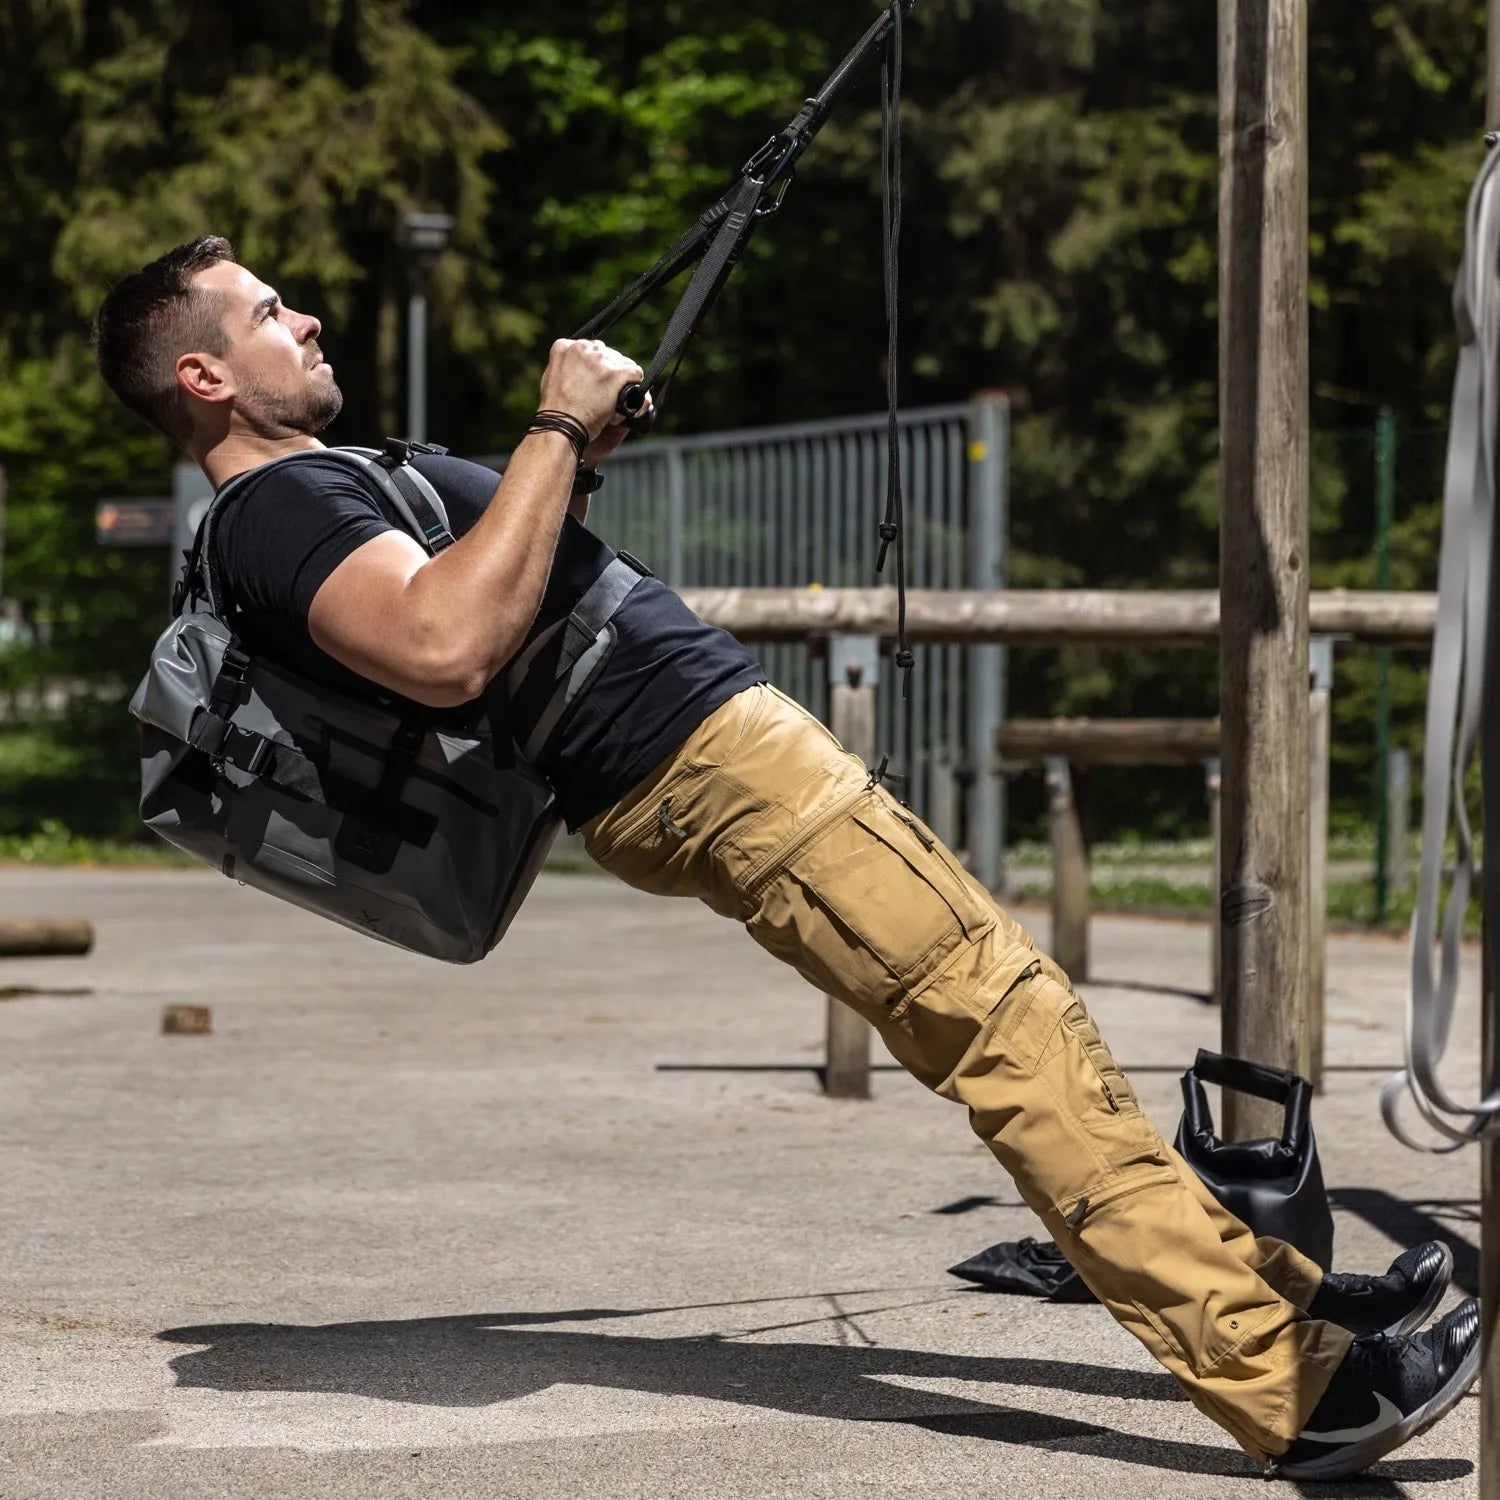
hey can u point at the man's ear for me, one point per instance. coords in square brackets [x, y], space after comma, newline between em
[205, 377]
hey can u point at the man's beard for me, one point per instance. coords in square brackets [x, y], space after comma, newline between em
[306, 413]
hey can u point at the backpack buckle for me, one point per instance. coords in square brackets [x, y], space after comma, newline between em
[397, 451]
[246, 751]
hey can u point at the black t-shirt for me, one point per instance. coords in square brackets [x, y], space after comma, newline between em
[284, 534]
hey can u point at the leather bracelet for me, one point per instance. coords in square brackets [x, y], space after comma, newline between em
[566, 424]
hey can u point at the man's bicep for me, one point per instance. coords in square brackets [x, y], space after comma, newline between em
[359, 613]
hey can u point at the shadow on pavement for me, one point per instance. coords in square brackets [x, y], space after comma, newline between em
[477, 1360]
[1149, 987]
[1185, 1458]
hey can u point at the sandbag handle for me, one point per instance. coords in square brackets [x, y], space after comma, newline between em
[1276, 1085]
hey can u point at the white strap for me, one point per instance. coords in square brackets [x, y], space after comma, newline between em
[1456, 697]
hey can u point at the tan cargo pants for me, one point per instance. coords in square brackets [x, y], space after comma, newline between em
[763, 816]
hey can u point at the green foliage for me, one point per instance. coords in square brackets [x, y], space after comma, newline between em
[1059, 243]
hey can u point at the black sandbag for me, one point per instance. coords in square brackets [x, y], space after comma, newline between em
[1274, 1186]
[1029, 1267]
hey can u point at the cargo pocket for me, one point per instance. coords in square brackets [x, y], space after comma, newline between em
[868, 910]
[1084, 1135]
[1119, 1096]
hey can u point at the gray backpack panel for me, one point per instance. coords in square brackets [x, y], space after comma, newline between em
[425, 837]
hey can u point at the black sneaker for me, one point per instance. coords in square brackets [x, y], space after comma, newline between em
[1401, 1301]
[1387, 1390]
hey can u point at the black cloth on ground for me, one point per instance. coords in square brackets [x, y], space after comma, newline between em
[283, 536]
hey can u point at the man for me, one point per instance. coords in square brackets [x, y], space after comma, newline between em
[690, 775]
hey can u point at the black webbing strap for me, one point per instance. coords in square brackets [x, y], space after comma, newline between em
[212, 726]
[587, 639]
[372, 830]
[729, 240]
[281, 764]
[720, 233]
[408, 494]
[434, 527]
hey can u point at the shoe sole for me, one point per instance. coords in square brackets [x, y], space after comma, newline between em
[1360, 1456]
[1419, 1315]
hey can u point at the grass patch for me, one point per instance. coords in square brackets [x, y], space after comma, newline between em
[1349, 901]
[1149, 892]
[53, 843]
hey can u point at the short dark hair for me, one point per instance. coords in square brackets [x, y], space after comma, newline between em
[152, 318]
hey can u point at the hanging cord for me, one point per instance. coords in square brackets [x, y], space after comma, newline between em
[893, 527]
[1463, 700]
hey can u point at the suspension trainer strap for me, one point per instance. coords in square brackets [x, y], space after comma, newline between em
[719, 235]
[1458, 706]
[720, 258]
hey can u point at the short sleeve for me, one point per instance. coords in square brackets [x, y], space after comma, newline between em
[280, 540]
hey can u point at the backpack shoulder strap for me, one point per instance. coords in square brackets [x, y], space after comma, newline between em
[202, 578]
[408, 494]
[388, 475]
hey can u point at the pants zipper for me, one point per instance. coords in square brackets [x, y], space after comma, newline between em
[786, 853]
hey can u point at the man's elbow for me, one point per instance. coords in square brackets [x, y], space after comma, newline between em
[460, 672]
[446, 681]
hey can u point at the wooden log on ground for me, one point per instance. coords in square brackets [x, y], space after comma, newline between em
[1047, 617]
[1109, 742]
[45, 937]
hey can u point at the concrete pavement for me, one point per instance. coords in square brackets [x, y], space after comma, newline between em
[577, 1221]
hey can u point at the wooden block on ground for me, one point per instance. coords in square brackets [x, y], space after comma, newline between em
[186, 1020]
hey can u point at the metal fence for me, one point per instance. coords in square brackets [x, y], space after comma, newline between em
[799, 506]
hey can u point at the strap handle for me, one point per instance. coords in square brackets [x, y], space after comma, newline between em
[1260, 1080]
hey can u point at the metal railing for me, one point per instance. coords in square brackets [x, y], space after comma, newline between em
[798, 506]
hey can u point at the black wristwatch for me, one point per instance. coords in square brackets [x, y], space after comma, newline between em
[586, 480]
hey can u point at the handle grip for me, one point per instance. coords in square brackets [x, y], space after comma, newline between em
[631, 405]
[1274, 1085]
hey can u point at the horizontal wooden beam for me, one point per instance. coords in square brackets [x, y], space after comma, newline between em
[1110, 742]
[1046, 617]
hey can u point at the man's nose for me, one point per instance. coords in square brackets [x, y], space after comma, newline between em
[310, 327]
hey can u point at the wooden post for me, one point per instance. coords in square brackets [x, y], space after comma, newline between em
[1319, 748]
[846, 1067]
[1263, 539]
[1211, 782]
[1070, 874]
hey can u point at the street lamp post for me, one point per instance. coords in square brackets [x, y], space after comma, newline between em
[424, 237]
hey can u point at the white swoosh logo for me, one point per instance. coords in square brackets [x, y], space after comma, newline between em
[1388, 1415]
